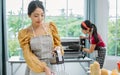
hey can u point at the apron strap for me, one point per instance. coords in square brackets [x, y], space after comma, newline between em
[33, 31]
[43, 28]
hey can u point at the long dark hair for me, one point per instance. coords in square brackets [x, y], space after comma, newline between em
[92, 28]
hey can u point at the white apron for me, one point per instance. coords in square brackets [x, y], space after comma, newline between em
[42, 47]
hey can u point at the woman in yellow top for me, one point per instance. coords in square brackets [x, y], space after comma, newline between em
[38, 41]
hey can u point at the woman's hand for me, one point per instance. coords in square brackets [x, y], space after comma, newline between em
[83, 37]
[83, 49]
[48, 71]
[55, 49]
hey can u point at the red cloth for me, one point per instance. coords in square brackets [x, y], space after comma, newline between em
[99, 44]
[118, 64]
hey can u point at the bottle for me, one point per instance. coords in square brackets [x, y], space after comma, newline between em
[59, 57]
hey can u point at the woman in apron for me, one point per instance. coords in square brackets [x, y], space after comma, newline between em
[38, 42]
[96, 43]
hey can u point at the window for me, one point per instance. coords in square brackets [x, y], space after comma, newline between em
[16, 19]
[114, 28]
[67, 15]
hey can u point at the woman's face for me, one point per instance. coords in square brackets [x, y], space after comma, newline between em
[37, 16]
[85, 31]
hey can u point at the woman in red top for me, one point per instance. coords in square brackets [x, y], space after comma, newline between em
[96, 42]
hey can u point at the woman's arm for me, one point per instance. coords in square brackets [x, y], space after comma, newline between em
[56, 37]
[32, 61]
[83, 37]
[92, 47]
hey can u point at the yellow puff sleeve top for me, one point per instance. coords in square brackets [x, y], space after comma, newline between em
[32, 61]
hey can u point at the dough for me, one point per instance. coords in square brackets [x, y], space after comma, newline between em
[104, 71]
